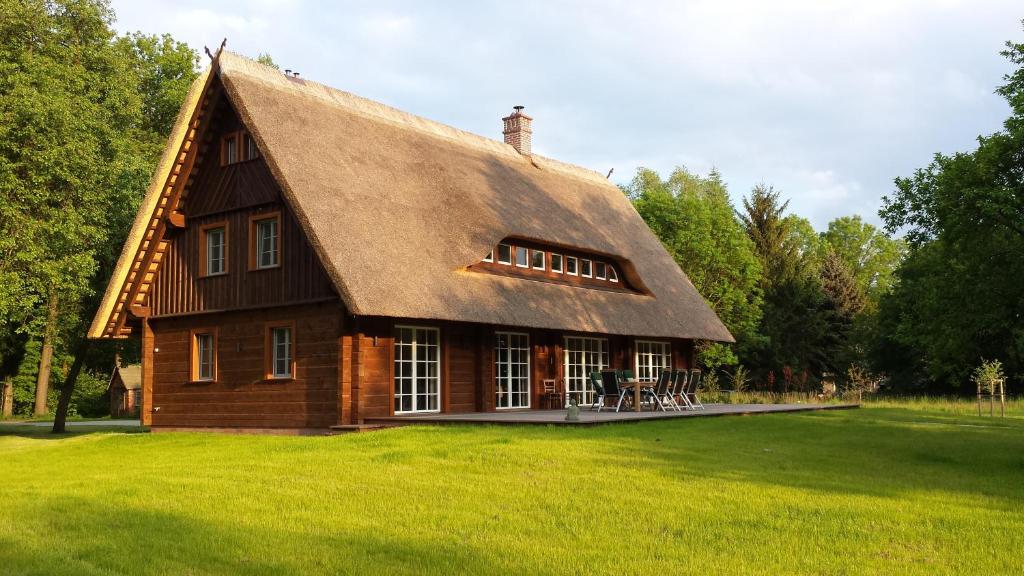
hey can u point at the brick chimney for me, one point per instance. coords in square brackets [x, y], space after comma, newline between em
[517, 130]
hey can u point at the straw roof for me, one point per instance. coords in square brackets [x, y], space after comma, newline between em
[398, 206]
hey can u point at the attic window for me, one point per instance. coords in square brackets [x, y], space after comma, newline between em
[612, 275]
[556, 263]
[570, 266]
[538, 259]
[504, 254]
[601, 270]
[533, 260]
[522, 257]
[585, 268]
[489, 257]
[237, 147]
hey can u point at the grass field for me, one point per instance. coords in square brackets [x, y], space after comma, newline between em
[879, 490]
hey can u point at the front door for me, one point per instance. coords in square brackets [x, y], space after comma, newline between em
[417, 369]
[511, 370]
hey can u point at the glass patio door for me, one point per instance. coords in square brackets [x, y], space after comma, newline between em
[511, 370]
[417, 369]
[583, 356]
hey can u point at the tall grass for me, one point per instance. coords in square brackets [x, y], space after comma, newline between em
[954, 405]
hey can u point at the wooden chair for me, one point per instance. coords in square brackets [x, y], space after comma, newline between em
[551, 395]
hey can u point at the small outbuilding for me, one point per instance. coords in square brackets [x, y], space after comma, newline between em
[125, 390]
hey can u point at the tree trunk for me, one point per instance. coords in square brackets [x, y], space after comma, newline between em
[46, 358]
[8, 408]
[69, 386]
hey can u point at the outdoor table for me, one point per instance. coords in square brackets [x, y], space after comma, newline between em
[636, 385]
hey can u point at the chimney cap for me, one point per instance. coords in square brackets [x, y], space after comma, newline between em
[518, 108]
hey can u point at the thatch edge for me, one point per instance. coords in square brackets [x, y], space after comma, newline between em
[147, 207]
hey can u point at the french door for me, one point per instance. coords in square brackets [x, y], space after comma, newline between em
[652, 358]
[511, 370]
[583, 356]
[417, 369]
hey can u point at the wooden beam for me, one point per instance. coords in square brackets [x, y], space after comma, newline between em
[139, 311]
[176, 219]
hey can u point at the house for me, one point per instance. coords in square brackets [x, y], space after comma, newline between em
[125, 390]
[306, 258]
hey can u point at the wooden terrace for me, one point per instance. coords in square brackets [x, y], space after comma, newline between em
[590, 418]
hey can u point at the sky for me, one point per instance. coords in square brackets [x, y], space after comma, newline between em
[828, 101]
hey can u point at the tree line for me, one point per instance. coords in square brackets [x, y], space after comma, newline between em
[915, 306]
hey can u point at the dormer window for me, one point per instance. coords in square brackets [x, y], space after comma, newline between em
[489, 257]
[522, 257]
[571, 266]
[505, 254]
[539, 260]
[556, 263]
[586, 268]
[612, 275]
[600, 270]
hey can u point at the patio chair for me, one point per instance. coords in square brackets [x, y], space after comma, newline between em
[596, 383]
[659, 390]
[627, 375]
[691, 390]
[665, 390]
[610, 386]
[551, 395]
[680, 380]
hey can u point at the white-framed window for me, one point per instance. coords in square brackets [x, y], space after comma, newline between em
[538, 258]
[417, 369]
[612, 274]
[556, 263]
[267, 235]
[511, 370]
[504, 254]
[204, 356]
[489, 257]
[570, 266]
[585, 268]
[216, 261]
[281, 345]
[600, 270]
[250, 150]
[229, 147]
[522, 257]
[583, 355]
[652, 358]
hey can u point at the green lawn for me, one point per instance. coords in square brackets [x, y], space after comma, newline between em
[869, 491]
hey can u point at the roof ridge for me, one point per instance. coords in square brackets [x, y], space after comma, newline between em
[397, 117]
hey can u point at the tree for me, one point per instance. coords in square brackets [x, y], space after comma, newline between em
[844, 301]
[696, 222]
[793, 326]
[959, 295]
[83, 117]
[871, 255]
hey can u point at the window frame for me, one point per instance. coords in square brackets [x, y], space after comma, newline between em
[254, 256]
[240, 139]
[413, 363]
[194, 374]
[204, 257]
[489, 257]
[600, 270]
[543, 260]
[245, 140]
[505, 262]
[613, 276]
[575, 266]
[269, 350]
[526, 257]
[561, 266]
[650, 353]
[589, 265]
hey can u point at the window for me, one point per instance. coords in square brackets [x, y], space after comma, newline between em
[249, 148]
[229, 150]
[417, 369]
[213, 248]
[612, 274]
[583, 356]
[538, 260]
[585, 270]
[556, 263]
[237, 147]
[522, 257]
[511, 370]
[265, 241]
[504, 254]
[280, 351]
[570, 266]
[652, 358]
[204, 356]
[601, 270]
[489, 257]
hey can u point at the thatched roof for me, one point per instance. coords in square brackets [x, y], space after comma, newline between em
[397, 207]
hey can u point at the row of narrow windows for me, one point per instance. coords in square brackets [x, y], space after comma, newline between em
[237, 147]
[551, 261]
[264, 244]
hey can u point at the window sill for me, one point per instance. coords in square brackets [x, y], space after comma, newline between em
[272, 380]
[261, 269]
[217, 275]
